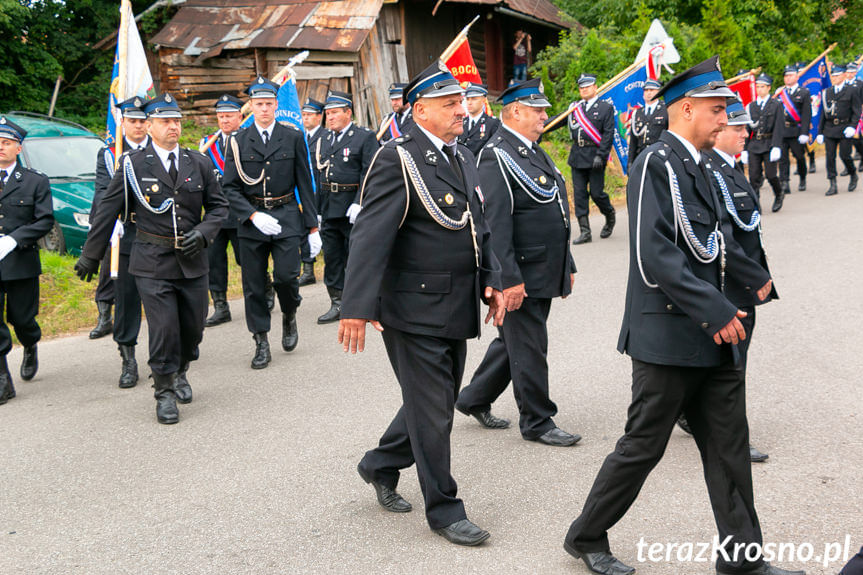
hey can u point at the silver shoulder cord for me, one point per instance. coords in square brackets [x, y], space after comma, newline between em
[524, 182]
[245, 178]
[130, 179]
[635, 132]
[410, 171]
[705, 254]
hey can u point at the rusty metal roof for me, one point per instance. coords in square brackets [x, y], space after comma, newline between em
[210, 26]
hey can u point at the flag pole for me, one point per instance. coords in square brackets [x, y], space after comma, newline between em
[453, 46]
[602, 89]
[123, 53]
[812, 63]
[752, 72]
[280, 78]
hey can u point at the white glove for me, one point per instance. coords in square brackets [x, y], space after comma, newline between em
[744, 157]
[775, 154]
[803, 139]
[848, 132]
[353, 212]
[315, 244]
[119, 230]
[7, 244]
[266, 223]
[820, 138]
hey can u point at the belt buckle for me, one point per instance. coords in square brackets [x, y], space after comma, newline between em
[178, 242]
[334, 187]
[835, 121]
[132, 217]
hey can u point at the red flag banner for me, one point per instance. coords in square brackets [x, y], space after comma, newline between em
[745, 88]
[461, 64]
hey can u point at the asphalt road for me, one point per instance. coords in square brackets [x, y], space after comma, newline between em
[259, 475]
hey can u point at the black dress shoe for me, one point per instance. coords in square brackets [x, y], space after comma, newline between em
[763, 569]
[852, 185]
[844, 172]
[556, 437]
[104, 323]
[756, 456]
[608, 227]
[801, 187]
[832, 189]
[602, 562]
[777, 202]
[463, 533]
[290, 335]
[308, 275]
[166, 401]
[812, 167]
[262, 356]
[486, 419]
[7, 390]
[182, 389]
[30, 362]
[388, 498]
[129, 373]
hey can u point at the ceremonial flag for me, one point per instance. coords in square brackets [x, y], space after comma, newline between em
[289, 111]
[658, 48]
[744, 88]
[137, 81]
[626, 94]
[815, 79]
[461, 64]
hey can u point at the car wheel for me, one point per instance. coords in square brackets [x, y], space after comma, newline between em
[54, 241]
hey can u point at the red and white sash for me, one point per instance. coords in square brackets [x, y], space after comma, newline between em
[585, 124]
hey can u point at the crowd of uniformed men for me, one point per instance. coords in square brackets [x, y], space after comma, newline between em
[440, 209]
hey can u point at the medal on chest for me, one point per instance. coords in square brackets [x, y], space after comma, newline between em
[482, 131]
[346, 154]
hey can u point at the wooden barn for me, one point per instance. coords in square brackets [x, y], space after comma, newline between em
[211, 47]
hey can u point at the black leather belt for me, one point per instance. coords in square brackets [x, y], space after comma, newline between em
[837, 121]
[336, 187]
[156, 240]
[269, 202]
[766, 136]
[791, 124]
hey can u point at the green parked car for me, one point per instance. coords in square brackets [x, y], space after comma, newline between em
[66, 153]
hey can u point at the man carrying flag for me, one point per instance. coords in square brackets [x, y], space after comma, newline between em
[478, 126]
[127, 319]
[797, 111]
[229, 116]
[399, 121]
[313, 113]
[591, 126]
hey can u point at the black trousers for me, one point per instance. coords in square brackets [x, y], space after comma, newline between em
[857, 144]
[759, 166]
[791, 147]
[714, 402]
[519, 353]
[105, 287]
[286, 268]
[217, 254]
[429, 370]
[335, 236]
[19, 305]
[844, 145]
[127, 312]
[176, 310]
[592, 181]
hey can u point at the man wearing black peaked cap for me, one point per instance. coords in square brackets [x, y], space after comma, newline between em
[681, 332]
[764, 146]
[479, 127]
[420, 261]
[179, 209]
[528, 213]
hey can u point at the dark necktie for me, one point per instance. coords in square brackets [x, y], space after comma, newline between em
[172, 167]
[453, 162]
[266, 136]
[3, 175]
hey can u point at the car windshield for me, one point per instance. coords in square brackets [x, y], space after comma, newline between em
[69, 157]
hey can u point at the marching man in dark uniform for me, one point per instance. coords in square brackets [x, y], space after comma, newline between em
[527, 210]
[764, 147]
[343, 158]
[840, 110]
[313, 113]
[744, 210]
[681, 332]
[266, 175]
[852, 81]
[134, 127]
[28, 214]
[421, 259]
[797, 111]
[229, 117]
[479, 127]
[647, 123]
[400, 120]
[169, 188]
[127, 319]
[591, 126]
